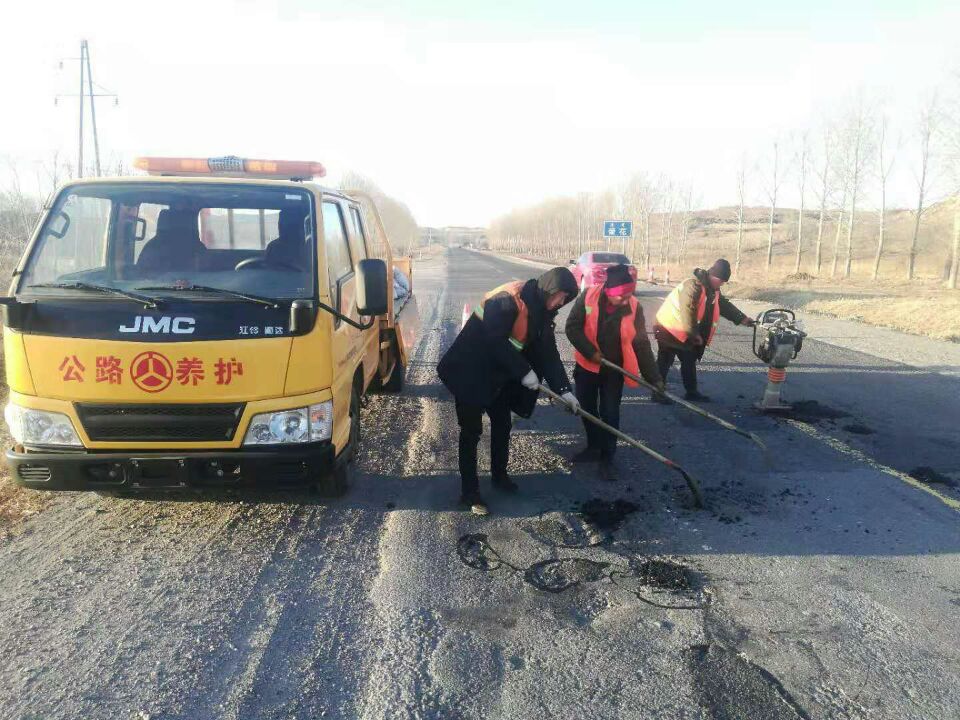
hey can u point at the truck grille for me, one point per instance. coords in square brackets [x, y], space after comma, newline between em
[160, 423]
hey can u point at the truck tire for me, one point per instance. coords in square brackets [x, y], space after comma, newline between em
[341, 478]
[354, 440]
[394, 383]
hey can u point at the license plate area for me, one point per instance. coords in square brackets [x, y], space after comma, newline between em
[159, 472]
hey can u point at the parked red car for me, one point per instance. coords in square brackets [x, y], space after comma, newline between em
[591, 268]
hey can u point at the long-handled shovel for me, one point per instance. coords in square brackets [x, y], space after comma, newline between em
[691, 483]
[688, 405]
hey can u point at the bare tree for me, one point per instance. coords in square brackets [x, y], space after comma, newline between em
[772, 189]
[955, 253]
[839, 231]
[741, 194]
[804, 151]
[886, 158]
[685, 220]
[397, 219]
[926, 127]
[857, 150]
[950, 137]
[823, 172]
[666, 220]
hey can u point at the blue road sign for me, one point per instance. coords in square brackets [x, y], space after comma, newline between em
[617, 228]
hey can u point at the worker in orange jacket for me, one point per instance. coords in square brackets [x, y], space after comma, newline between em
[606, 322]
[688, 320]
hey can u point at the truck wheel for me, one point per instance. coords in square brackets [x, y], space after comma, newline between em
[354, 440]
[394, 383]
[341, 478]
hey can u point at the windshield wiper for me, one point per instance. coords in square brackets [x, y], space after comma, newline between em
[216, 290]
[105, 289]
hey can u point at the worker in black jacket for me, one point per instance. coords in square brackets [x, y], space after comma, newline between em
[495, 364]
[606, 323]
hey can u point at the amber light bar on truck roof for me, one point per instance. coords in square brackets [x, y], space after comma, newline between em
[230, 166]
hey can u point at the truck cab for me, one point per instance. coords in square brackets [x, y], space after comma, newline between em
[215, 322]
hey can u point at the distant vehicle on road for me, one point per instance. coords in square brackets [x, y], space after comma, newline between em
[591, 268]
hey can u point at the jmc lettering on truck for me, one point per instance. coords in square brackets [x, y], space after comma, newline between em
[166, 324]
[212, 322]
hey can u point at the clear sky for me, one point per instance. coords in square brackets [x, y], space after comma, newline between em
[466, 112]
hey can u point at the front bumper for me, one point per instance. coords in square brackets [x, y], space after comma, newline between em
[279, 467]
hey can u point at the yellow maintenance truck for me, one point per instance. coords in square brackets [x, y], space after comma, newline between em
[213, 322]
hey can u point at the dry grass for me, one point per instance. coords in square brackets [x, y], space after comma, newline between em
[919, 309]
[16, 503]
[940, 321]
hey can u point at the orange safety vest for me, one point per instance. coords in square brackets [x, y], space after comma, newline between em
[518, 334]
[669, 314]
[628, 331]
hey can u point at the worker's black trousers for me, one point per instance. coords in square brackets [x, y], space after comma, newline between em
[599, 394]
[688, 365]
[470, 418]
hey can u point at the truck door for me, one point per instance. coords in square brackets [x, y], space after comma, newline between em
[346, 347]
[358, 246]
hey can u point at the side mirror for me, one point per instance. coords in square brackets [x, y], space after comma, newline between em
[59, 232]
[303, 315]
[372, 287]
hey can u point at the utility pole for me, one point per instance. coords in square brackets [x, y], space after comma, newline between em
[83, 47]
[87, 92]
[85, 50]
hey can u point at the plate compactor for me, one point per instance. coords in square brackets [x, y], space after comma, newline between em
[777, 339]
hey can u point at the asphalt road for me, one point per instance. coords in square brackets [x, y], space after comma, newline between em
[819, 583]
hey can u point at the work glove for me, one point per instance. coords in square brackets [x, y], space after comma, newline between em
[597, 357]
[661, 386]
[696, 340]
[749, 322]
[530, 381]
[573, 405]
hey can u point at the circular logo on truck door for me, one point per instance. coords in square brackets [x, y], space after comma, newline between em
[151, 372]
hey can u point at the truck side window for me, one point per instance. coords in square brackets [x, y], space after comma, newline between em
[339, 263]
[358, 231]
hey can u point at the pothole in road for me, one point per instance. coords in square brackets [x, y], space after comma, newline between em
[729, 686]
[607, 515]
[664, 574]
[560, 574]
[811, 412]
[858, 429]
[928, 475]
[474, 551]
[555, 575]
[563, 530]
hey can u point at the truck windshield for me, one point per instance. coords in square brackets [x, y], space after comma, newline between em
[243, 238]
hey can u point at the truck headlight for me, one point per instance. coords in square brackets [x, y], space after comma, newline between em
[40, 427]
[298, 425]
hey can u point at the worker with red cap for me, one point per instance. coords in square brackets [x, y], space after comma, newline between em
[688, 320]
[606, 322]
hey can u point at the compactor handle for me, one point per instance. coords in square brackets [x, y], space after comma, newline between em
[765, 316]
